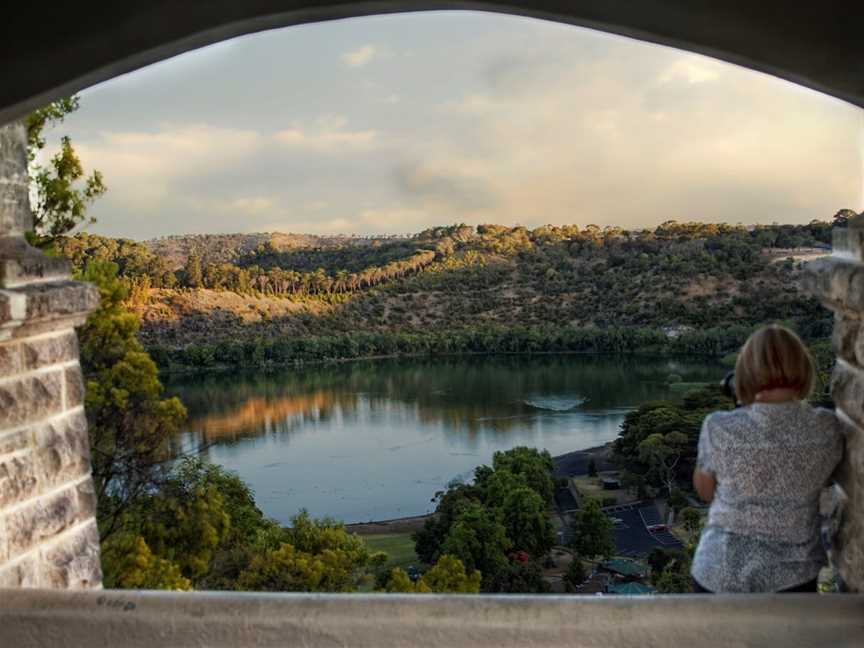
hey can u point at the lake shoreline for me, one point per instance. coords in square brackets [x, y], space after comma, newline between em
[572, 463]
[271, 367]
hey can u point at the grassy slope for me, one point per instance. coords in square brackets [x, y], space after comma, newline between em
[398, 546]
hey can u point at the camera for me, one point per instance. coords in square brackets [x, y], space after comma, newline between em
[728, 387]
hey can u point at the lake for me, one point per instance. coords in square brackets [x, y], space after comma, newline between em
[373, 440]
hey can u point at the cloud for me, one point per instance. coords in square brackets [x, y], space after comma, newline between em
[329, 137]
[252, 205]
[172, 150]
[452, 184]
[360, 57]
[514, 122]
[693, 69]
[649, 136]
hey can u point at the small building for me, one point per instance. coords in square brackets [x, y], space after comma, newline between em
[611, 483]
[624, 569]
[630, 588]
[597, 583]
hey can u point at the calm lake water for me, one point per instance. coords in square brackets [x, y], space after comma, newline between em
[374, 440]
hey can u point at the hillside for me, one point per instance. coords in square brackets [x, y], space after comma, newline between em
[678, 279]
[227, 248]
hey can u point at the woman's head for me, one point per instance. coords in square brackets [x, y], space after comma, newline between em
[773, 358]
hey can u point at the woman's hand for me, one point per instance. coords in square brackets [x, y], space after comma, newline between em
[705, 484]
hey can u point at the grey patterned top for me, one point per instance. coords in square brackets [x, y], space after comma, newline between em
[771, 460]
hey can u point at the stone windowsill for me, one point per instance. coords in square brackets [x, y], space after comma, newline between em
[133, 619]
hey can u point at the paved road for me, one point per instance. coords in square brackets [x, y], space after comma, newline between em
[631, 536]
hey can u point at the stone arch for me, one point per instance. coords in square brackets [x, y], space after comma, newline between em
[818, 46]
[47, 526]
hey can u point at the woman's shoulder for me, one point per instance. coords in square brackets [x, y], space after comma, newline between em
[727, 418]
[827, 420]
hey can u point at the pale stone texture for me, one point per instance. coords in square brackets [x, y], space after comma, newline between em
[73, 561]
[22, 573]
[34, 523]
[31, 398]
[62, 451]
[46, 351]
[15, 217]
[48, 535]
[839, 282]
[132, 619]
[74, 387]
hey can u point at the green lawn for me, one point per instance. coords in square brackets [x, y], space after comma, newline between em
[399, 546]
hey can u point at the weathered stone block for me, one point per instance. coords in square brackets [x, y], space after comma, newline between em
[845, 335]
[72, 563]
[31, 399]
[62, 451]
[20, 263]
[848, 242]
[838, 282]
[4, 545]
[850, 541]
[847, 388]
[10, 359]
[55, 300]
[40, 520]
[74, 387]
[5, 311]
[14, 441]
[86, 500]
[45, 351]
[23, 573]
[18, 479]
[15, 216]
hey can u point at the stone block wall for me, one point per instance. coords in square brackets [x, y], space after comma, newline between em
[838, 281]
[48, 535]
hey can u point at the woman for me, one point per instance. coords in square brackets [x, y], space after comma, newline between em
[762, 467]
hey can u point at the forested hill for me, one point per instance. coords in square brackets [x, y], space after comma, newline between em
[228, 248]
[464, 288]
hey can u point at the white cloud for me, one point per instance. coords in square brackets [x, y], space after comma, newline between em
[692, 69]
[172, 151]
[253, 205]
[535, 123]
[360, 57]
[328, 137]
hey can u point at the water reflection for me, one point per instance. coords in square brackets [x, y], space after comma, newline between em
[371, 440]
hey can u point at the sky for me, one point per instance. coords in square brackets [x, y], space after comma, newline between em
[391, 124]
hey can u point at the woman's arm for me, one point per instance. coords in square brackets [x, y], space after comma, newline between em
[705, 484]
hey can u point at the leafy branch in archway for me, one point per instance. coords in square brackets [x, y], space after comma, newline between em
[61, 190]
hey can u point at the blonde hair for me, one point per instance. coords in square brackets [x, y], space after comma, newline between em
[773, 358]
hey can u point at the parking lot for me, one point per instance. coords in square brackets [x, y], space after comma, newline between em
[632, 537]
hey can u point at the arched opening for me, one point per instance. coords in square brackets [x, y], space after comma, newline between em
[564, 153]
[427, 182]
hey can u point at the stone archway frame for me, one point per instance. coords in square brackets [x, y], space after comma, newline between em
[51, 53]
[47, 527]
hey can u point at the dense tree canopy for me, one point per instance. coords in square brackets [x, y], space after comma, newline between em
[130, 424]
[448, 575]
[487, 524]
[593, 532]
[678, 288]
